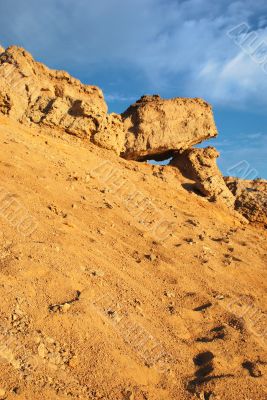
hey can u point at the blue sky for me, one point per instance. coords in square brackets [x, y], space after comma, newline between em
[169, 47]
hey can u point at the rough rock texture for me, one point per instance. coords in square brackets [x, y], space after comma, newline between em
[111, 134]
[32, 93]
[155, 127]
[200, 166]
[251, 198]
[1, 49]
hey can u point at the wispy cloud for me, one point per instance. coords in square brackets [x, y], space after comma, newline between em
[170, 43]
[111, 97]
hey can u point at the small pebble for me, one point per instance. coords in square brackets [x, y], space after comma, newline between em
[151, 257]
[41, 350]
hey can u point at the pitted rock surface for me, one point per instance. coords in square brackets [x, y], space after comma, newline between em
[156, 127]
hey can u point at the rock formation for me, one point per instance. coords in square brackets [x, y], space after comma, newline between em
[32, 93]
[250, 198]
[152, 128]
[200, 166]
[156, 127]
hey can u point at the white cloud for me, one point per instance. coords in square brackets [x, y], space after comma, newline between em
[111, 97]
[171, 43]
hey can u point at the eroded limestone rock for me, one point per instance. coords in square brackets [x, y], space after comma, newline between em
[156, 127]
[200, 166]
[250, 198]
[32, 93]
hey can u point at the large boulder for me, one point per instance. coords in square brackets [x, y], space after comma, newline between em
[200, 166]
[32, 93]
[156, 127]
[250, 198]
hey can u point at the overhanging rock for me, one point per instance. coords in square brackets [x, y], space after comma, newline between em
[156, 127]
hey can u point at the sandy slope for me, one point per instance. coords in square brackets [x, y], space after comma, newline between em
[95, 305]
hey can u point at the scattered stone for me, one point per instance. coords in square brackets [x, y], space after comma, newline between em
[73, 362]
[171, 309]
[228, 259]
[137, 257]
[151, 257]
[98, 273]
[207, 250]
[19, 320]
[17, 390]
[42, 350]
[206, 396]
[201, 236]
[114, 315]
[54, 209]
[108, 205]
[193, 222]
[190, 241]
[204, 259]
[53, 352]
[105, 190]
[221, 239]
[169, 294]
[128, 395]
[203, 307]
[64, 307]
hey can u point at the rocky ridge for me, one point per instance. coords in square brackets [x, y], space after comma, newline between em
[33, 94]
[152, 128]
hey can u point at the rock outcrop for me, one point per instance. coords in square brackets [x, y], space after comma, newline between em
[156, 127]
[151, 128]
[250, 198]
[32, 93]
[200, 166]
